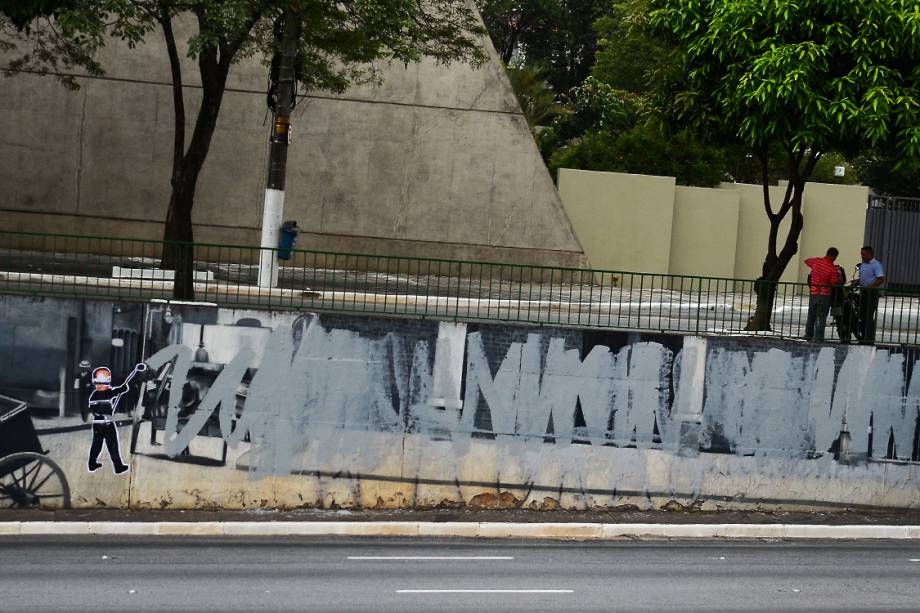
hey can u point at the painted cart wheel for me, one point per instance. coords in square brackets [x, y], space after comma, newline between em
[32, 480]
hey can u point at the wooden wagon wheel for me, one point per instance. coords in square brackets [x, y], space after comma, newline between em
[32, 480]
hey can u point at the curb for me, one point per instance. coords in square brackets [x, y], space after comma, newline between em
[498, 530]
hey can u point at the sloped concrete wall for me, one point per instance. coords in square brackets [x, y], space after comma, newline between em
[437, 161]
[290, 410]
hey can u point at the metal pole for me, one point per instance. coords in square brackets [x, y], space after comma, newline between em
[273, 207]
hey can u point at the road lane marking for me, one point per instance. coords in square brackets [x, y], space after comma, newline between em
[485, 591]
[915, 559]
[430, 557]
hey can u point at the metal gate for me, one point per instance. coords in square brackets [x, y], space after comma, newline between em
[893, 230]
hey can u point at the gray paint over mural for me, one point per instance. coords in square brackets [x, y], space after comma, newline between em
[770, 403]
[332, 409]
[436, 161]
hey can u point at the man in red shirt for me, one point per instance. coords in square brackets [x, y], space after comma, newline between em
[823, 275]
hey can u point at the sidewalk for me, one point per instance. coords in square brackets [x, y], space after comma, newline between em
[520, 516]
[602, 525]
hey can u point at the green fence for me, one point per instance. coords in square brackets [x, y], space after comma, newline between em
[129, 269]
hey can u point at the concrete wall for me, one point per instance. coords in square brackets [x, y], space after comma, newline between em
[842, 211]
[705, 224]
[438, 161]
[649, 224]
[754, 228]
[620, 218]
[323, 410]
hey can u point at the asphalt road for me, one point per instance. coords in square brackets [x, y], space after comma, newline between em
[289, 574]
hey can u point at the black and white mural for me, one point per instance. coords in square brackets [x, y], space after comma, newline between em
[458, 408]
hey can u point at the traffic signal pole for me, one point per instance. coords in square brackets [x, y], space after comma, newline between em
[273, 206]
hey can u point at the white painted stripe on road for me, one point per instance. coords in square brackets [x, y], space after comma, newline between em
[430, 557]
[915, 559]
[485, 591]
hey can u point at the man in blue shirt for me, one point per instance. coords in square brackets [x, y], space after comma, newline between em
[871, 278]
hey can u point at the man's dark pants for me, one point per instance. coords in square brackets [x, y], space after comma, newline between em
[818, 306]
[104, 431]
[868, 305]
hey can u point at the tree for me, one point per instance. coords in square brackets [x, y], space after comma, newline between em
[808, 76]
[25, 26]
[511, 22]
[534, 94]
[22, 12]
[592, 106]
[628, 55]
[645, 149]
[337, 47]
[889, 176]
[826, 170]
[557, 35]
[608, 129]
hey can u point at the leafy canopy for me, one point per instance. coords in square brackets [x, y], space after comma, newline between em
[534, 94]
[338, 44]
[612, 130]
[629, 57]
[645, 149]
[556, 35]
[814, 75]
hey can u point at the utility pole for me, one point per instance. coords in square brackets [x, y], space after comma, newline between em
[273, 207]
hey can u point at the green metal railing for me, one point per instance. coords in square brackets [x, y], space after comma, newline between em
[128, 269]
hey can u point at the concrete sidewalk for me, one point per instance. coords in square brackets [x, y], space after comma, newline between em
[627, 515]
[469, 524]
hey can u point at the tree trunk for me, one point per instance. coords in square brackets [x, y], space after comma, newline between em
[774, 264]
[766, 294]
[178, 249]
[178, 252]
[507, 52]
[801, 165]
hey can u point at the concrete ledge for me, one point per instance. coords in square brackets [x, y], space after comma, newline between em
[155, 274]
[553, 531]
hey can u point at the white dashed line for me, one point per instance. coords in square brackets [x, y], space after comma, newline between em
[430, 557]
[485, 591]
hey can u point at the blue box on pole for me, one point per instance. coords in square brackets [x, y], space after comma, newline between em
[288, 237]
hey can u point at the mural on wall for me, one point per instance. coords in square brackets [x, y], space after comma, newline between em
[103, 402]
[342, 397]
[279, 384]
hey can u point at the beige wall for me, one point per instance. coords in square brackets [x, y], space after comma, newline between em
[703, 237]
[620, 218]
[649, 224]
[754, 230]
[841, 210]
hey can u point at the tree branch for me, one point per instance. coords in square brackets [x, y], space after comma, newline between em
[765, 175]
[230, 47]
[795, 161]
[810, 166]
[207, 56]
[165, 20]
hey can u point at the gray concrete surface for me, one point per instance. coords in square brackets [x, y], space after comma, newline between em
[438, 160]
[191, 574]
